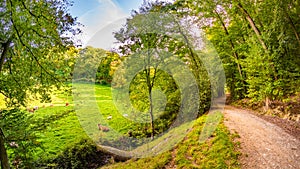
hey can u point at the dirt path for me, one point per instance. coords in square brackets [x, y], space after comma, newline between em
[263, 144]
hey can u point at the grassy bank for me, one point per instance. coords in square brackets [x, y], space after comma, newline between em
[219, 151]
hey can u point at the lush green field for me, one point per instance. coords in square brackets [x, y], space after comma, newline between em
[60, 133]
[63, 128]
[62, 125]
[66, 128]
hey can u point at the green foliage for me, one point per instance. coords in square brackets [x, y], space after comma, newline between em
[20, 136]
[34, 38]
[107, 67]
[164, 87]
[257, 41]
[39, 136]
[152, 32]
[95, 65]
[36, 35]
[80, 154]
[87, 63]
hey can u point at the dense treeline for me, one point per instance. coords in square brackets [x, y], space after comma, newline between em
[258, 42]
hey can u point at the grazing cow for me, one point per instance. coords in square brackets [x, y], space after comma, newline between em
[109, 117]
[67, 104]
[103, 128]
[30, 110]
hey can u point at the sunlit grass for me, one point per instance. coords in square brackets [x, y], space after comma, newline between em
[218, 151]
[59, 133]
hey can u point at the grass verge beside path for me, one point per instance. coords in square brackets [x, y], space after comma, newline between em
[219, 151]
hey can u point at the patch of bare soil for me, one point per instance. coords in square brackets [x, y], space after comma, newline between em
[264, 144]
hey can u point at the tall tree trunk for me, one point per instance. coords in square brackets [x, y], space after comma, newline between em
[292, 25]
[151, 113]
[235, 54]
[3, 154]
[150, 85]
[231, 43]
[253, 26]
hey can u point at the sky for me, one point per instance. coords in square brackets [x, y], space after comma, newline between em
[101, 18]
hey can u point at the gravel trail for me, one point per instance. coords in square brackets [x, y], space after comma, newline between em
[263, 144]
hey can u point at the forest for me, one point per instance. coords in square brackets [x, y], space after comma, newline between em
[146, 102]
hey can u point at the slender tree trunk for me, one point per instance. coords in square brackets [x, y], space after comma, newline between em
[293, 26]
[5, 47]
[151, 113]
[150, 86]
[236, 55]
[253, 26]
[3, 154]
[267, 103]
[231, 43]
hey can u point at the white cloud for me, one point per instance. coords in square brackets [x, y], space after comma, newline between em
[101, 22]
[98, 18]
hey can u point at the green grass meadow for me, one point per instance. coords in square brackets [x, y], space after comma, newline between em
[93, 104]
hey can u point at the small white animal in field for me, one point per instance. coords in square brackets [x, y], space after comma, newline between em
[125, 115]
[103, 128]
[109, 117]
[35, 107]
[13, 144]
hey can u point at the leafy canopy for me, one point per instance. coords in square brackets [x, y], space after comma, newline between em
[34, 36]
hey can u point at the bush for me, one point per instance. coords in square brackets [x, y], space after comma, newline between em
[83, 154]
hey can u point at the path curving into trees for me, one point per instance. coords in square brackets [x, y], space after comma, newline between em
[263, 144]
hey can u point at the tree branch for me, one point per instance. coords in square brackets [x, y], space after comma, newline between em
[253, 26]
[30, 51]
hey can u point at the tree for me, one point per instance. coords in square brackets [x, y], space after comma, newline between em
[258, 42]
[107, 67]
[151, 36]
[140, 33]
[86, 68]
[34, 34]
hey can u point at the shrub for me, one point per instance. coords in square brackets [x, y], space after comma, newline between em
[83, 154]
